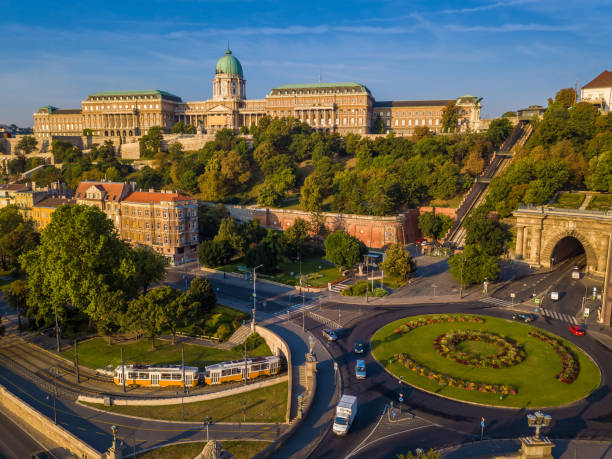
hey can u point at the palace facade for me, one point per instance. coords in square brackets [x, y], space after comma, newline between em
[335, 107]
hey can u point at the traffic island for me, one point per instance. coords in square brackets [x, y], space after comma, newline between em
[485, 360]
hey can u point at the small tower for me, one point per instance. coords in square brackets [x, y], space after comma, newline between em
[229, 83]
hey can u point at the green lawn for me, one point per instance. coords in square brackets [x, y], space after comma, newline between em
[534, 377]
[600, 202]
[317, 272]
[268, 404]
[569, 200]
[240, 450]
[452, 202]
[209, 324]
[97, 353]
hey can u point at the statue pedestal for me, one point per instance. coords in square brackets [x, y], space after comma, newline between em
[536, 449]
[115, 451]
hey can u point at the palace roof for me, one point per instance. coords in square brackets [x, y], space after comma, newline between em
[410, 103]
[228, 65]
[114, 190]
[147, 92]
[603, 80]
[346, 84]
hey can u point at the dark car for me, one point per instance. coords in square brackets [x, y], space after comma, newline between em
[329, 334]
[523, 317]
[576, 330]
[359, 347]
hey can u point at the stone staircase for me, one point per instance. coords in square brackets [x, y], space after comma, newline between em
[241, 334]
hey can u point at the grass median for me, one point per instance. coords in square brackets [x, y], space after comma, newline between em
[97, 353]
[534, 377]
[268, 404]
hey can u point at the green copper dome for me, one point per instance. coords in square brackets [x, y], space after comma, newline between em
[228, 64]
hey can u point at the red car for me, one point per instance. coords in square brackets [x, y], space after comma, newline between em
[576, 330]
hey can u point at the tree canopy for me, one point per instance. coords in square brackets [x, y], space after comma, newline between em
[344, 250]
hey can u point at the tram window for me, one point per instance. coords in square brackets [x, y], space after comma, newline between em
[226, 372]
[143, 375]
[255, 367]
[166, 376]
[131, 375]
[177, 376]
[208, 374]
[236, 371]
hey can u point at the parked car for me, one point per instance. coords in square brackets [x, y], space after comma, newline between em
[329, 334]
[576, 330]
[554, 295]
[359, 347]
[360, 369]
[524, 317]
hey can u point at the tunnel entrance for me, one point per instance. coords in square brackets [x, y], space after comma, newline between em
[567, 247]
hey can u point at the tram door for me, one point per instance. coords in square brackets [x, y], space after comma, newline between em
[155, 379]
[188, 379]
[214, 377]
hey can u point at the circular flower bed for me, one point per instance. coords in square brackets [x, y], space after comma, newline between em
[509, 352]
[570, 367]
[421, 322]
[446, 380]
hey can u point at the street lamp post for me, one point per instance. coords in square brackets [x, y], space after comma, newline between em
[538, 420]
[254, 296]
[206, 423]
[57, 338]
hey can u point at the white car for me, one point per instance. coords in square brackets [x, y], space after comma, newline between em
[360, 369]
[554, 295]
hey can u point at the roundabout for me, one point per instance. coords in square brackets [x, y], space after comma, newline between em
[485, 360]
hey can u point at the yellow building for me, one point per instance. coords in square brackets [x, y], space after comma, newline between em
[42, 211]
[335, 107]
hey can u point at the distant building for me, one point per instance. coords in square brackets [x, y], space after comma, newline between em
[106, 196]
[341, 107]
[598, 91]
[43, 210]
[27, 195]
[531, 112]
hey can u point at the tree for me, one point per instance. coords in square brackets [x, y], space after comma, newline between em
[421, 132]
[64, 152]
[181, 128]
[489, 234]
[434, 225]
[344, 250]
[499, 130]
[17, 236]
[27, 144]
[17, 297]
[202, 292]
[150, 312]
[150, 267]
[209, 220]
[270, 253]
[450, 117]
[566, 97]
[398, 261]
[297, 237]
[215, 253]
[509, 114]
[379, 126]
[229, 231]
[473, 265]
[80, 262]
[150, 143]
[317, 186]
[431, 454]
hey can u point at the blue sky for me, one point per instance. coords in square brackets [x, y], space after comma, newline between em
[513, 53]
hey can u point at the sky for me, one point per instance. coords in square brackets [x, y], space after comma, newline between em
[512, 53]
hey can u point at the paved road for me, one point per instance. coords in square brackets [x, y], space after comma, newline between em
[590, 418]
[14, 442]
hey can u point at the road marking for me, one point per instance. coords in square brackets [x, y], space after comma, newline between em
[497, 301]
[387, 436]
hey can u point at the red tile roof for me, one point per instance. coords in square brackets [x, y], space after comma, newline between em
[113, 189]
[155, 197]
[603, 80]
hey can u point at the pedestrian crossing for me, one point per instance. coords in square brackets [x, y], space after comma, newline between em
[559, 316]
[497, 301]
[293, 310]
[340, 286]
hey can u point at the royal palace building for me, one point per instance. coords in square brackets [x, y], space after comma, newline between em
[334, 107]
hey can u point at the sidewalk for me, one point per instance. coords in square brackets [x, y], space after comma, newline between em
[563, 449]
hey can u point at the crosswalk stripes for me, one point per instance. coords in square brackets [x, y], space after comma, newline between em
[496, 301]
[340, 286]
[287, 313]
[559, 316]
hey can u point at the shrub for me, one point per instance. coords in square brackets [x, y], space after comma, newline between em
[223, 331]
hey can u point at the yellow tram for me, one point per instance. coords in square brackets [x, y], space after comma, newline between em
[156, 375]
[234, 370]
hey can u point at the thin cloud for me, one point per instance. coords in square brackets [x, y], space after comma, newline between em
[490, 6]
[504, 28]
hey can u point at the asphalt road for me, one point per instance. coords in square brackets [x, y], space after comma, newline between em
[14, 442]
[459, 422]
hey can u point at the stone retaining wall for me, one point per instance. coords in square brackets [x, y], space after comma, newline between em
[37, 421]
